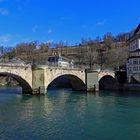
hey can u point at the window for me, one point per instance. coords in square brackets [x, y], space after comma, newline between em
[134, 68]
[130, 69]
[130, 61]
[139, 68]
[133, 47]
[53, 59]
[138, 61]
[135, 61]
[136, 46]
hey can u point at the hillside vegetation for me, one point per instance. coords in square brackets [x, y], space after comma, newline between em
[107, 52]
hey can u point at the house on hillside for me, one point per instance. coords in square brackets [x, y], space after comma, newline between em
[60, 61]
[133, 63]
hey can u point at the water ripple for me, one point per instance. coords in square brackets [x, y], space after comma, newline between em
[69, 116]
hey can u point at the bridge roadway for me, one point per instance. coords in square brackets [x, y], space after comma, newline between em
[36, 79]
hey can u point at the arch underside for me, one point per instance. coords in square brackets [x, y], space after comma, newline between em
[107, 83]
[26, 88]
[68, 81]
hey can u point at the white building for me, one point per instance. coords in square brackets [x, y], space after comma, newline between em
[60, 61]
[133, 63]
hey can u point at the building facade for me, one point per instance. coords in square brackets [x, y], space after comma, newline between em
[133, 63]
[60, 61]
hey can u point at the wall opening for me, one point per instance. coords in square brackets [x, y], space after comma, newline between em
[121, 76]
[107, 83]
[10, 80]
[134, 80]
[68, 82]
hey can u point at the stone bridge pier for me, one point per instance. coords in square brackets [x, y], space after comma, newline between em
[94, 79]
[43, 76]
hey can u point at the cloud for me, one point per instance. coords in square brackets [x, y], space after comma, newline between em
[34, 29]
[21, 4]
[84, 26]
[4, 11]
[1, 0]
[50, 31]
[101, 23]
[50, 41]
[65, 18]
[5, 38]
[26, 2]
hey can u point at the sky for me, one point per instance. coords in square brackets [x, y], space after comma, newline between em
[65, 20]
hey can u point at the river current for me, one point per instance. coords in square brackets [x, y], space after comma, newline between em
[68, 115]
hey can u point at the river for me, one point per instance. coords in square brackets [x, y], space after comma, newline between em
[68, 115]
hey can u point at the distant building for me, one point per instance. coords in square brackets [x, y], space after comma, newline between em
[60, 61]
[1, 50]
[133, 63]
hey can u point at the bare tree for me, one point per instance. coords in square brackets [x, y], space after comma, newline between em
[108, 40]
[91, 57]
[44, 47]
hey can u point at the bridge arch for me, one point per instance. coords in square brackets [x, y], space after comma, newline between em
[26, 88]
[74, 81]
[106, 73]
[107, 82]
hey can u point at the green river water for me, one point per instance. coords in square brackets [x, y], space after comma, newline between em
[68, 115]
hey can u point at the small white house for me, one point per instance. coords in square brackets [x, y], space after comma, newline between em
[60, 61]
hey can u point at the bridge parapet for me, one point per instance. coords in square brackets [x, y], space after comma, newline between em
[15, 65]
[60, 68]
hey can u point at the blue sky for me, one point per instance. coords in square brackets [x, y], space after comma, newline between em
[66, 20]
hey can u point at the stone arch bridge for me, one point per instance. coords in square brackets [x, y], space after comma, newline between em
[37, 79]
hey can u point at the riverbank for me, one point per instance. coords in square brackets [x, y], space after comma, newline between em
[8, 81]
[130, 87]
[117, 87]
[124, 87]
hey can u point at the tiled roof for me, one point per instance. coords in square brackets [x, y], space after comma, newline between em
[133, 34]
[137, 29]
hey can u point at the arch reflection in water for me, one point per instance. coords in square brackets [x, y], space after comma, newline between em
[10, 90]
